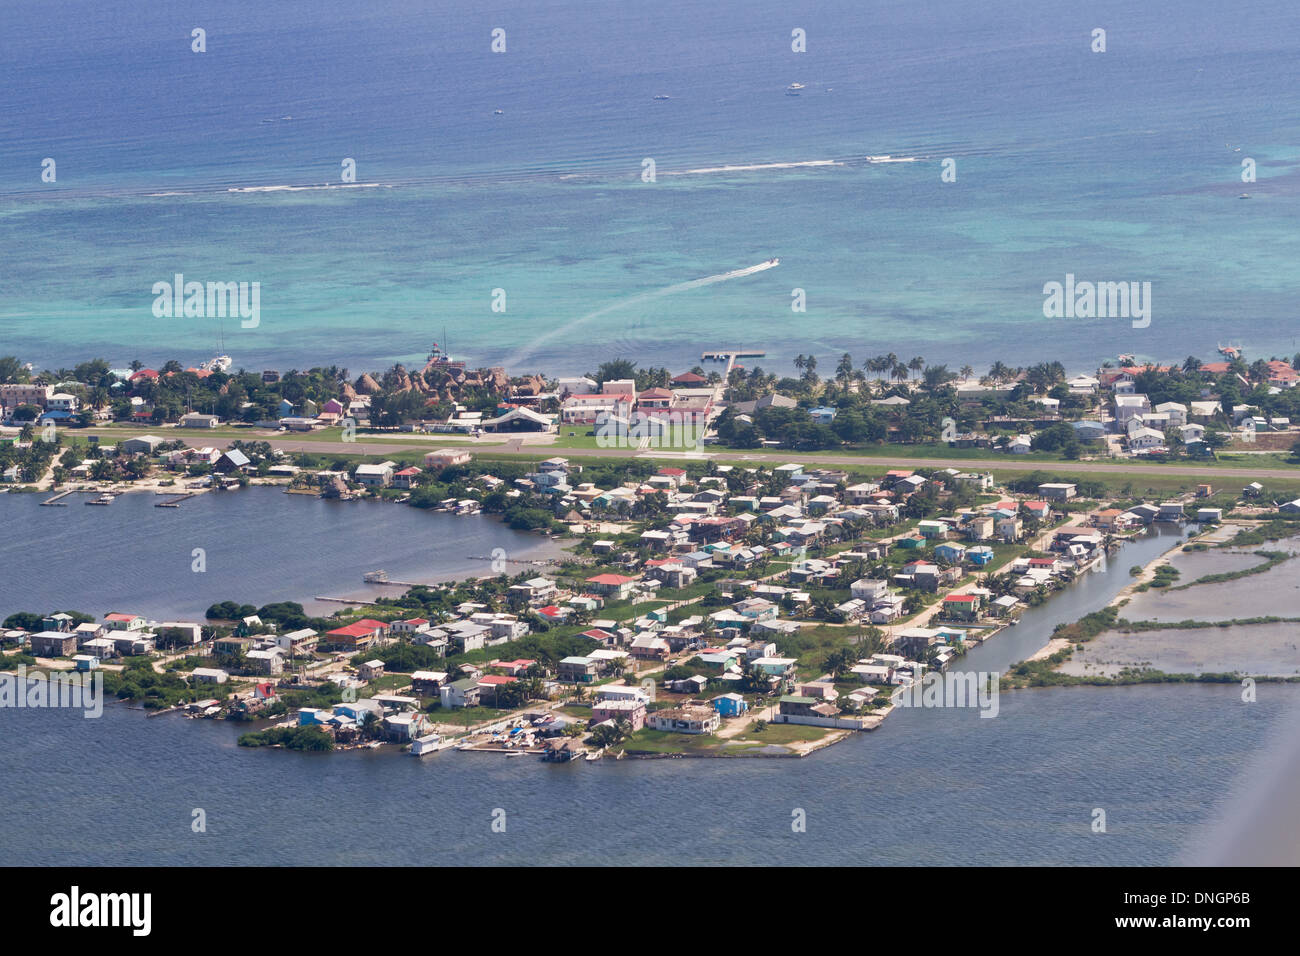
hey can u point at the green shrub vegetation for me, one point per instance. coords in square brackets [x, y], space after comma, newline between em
[290, 738]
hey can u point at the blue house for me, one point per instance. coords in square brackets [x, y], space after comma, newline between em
[357, 709]
[286, 408]
[950, 551]
[730, 705]
[311, 716]
[980, 555]
[823, 415]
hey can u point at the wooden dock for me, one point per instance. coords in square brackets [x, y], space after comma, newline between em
[723, 355]
[730, 356]
[57, 501]
[175, 501]
[534, 562]
[381, 577]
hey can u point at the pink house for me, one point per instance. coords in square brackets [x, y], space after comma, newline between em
[633, 711]
[516, 668]
[446, 457]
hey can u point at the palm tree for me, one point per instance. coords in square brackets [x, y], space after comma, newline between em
[844, 370]
[967, 372]
[916, 363]
[799, 362]
[901, 373]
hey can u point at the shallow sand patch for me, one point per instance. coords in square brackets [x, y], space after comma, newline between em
[1258, 650]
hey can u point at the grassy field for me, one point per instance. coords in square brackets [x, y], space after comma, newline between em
[745, 743]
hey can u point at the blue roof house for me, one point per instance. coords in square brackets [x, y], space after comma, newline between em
[730, 705]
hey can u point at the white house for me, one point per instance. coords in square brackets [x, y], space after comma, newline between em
[1140, 439]
[375, 476]
[1130, 406]
[868, 589]
[1176, 411]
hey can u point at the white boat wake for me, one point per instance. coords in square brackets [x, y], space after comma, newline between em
[532, 347]
[751, 167]
[299, 189]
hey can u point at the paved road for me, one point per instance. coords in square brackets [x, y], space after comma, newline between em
[408, 448]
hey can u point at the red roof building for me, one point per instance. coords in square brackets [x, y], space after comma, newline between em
[609, 579]
[358, 635]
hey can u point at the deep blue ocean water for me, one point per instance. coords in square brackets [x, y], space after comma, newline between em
[1115, 166]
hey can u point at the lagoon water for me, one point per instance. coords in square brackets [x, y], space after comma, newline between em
[930, 786]
[1238, 598]
[260, 545]
[1115, 166]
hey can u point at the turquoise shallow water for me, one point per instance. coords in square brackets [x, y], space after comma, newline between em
[1114, 166]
